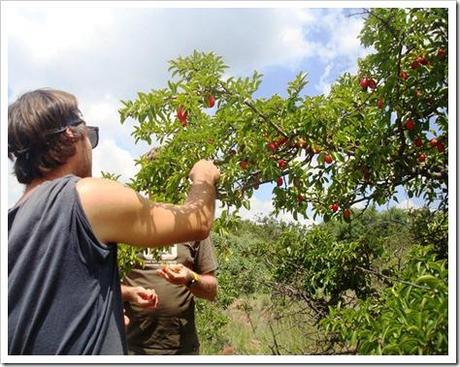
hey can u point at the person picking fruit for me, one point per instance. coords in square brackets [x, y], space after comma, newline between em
[64, 294]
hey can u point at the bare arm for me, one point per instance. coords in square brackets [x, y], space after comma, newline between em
[205, 287]
[119, 214]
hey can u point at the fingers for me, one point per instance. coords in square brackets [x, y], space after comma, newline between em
[175, 274]
[125, 318]
[146, 298]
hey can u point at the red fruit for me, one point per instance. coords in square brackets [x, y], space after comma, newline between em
[440, 147]
[281, 141]
[244, 165]
[403, 75]
[328, 159]
[415, 65]
[409, 124]
[433, 142]
[418, 142]
[300, 198]
[347, 213]
[334, 207]
[422, 157]
[441, 53]
[272, 146]
[182, 115]
[421, 60]
[282, 163]
[372, 84]
[364, 83]
[380, 103]
[279, 181]
[211, 101]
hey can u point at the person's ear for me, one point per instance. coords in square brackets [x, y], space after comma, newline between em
[69, 133]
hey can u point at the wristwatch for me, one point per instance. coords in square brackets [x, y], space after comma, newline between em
[195, 278]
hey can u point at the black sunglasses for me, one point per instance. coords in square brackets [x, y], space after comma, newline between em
[93, 135]
[93, 132]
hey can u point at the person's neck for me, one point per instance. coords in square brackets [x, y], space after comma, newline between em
[59, 172]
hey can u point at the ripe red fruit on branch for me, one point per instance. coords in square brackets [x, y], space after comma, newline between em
[334, 207]
[421, 60]
[244, 165]
[433, 142]
[440, 147]
[380, 103]
[364, 83]
[211, 101]
[279, 181]
[328, 159]
[414, 65]
[441, 53]
[403, 75]
[409, 124]
[418, 142]
[282, 163]
[300, 198]
[371, 83]
[182, 115]
[347, 213]
[422, 157]
[272, 146]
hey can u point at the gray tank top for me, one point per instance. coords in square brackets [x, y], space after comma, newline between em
[63, 285]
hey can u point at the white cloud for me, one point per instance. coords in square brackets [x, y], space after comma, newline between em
[342, 35]
[95, 51]
[323, 86]
[109, 157]
[55, 31]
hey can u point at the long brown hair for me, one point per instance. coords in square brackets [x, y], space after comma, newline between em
[31, 118]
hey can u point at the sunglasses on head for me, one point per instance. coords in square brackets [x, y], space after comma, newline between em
[93, 131]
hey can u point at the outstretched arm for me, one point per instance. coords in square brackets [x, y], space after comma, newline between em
[119, 214]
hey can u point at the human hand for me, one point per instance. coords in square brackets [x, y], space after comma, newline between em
[204, 170]
[141, 297]
[126, 319]
[176, 274]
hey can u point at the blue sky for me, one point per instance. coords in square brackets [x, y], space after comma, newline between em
[103, 55]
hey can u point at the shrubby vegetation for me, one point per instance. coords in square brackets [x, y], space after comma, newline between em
[375, 286]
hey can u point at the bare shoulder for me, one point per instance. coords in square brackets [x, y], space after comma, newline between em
[106, 197]
[101, 188]
[91, 184]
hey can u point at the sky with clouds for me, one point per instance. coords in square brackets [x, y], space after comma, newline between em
[104, 55]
